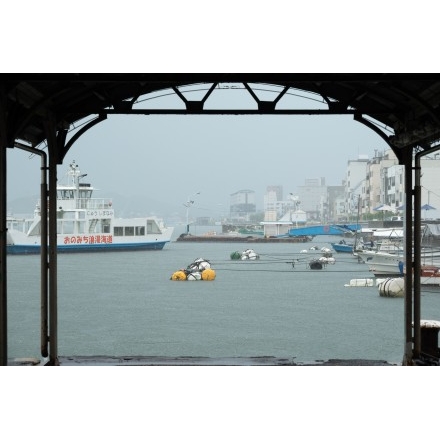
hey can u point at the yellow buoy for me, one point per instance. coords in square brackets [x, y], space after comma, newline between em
[180, 275]
[208, 275]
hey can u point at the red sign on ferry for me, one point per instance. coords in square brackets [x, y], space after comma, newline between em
[89, 239]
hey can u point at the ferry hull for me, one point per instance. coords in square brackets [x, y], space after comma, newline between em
[16, 249]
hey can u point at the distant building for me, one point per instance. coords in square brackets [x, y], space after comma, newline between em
[335, 203]
[277, 189]
[273, 203]
[271, 200]
[242, 205]
[392, 186]
[338, 207]
[354, 185]
[312, 196]
[381, 175]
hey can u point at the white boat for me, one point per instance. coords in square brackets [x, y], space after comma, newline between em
[388, 258]
[385, 264]
[430, 275]
[381, 264]
[86, 224]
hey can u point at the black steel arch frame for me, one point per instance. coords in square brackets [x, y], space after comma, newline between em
[37, 108]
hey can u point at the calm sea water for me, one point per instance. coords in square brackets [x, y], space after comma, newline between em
[118, 304]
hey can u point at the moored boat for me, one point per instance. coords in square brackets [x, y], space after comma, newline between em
[343, 247]
[384, 264]
[429, 275]
[86, 224]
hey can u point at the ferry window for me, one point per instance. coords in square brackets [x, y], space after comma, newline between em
[67, 215]
[65, 227]
[140, 230]
[81, 227]
[81, 215]
[152, 227]
[129, 230]
[85, 194]
[65, 194]
[106, 226]
[118, 231]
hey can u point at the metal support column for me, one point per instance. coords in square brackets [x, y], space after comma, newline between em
[408, 305]
[417, 249]
[52, 144]
[416, 266]
[43, 255]
[3, 238]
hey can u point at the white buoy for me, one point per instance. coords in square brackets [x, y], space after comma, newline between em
[199, 265]
[360, 282]
[392, 287]
[204, 265]
[194, 276]
[249, 254]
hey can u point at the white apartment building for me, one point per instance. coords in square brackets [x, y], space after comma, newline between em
[370, 182]
[313, 197]
[273, 204]
[385, 184]
[355, 184]
[242, 205]
[380, 178]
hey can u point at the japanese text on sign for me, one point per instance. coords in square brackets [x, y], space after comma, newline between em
[89, 239]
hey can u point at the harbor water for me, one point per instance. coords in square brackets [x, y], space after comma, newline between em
[124, 304]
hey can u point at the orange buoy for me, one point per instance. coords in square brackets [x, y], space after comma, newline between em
[180, 275]
[208, 275]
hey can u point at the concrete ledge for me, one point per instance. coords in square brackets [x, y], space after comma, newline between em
[207, 361]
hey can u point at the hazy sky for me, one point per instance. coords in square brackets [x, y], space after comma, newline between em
[168, 158]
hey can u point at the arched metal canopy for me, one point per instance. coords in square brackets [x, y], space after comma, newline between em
[404, 109]
[406, 103]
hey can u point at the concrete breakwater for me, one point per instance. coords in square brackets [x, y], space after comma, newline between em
[239, 239]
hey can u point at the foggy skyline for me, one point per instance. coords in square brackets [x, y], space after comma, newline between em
[167, 158]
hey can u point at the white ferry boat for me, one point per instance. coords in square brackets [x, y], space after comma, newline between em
[86, 224]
